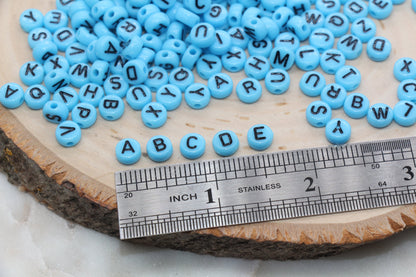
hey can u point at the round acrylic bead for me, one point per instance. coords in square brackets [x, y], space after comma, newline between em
[84, 114]
[287, 40]
[82, 19]
[338, 131]
[101, 30]
[169, 96]
[31, 19]
[157, 77]
[63, 38]
[407, 90]
[38, 36]
[349, 77]
[181, 77]
[314, 18]
[197, 96]
[404, 68]
[234, 59]
[133, 48]
[128, 151]
[192, 146]
[157, 23]
[331, 60]
[79, 74]
[351, 46]
[220, 85]
[322, 39]
[277, 81]
[175, 45]
[364, 29]
[198, 7]
[145, 12]
[154, 115]
[56, 79]
[54, 63]
[107, 48]
[85, 36]
[91, 93]
[135, 72]
[298, 6]
[235, 13]
[272, 27]
[257, 67]
[146, 54]
[111, 107]
[187, 17]
[159, 149]
[404, 113]
[318, 113]
[99, 71]
[138, 96]
[282, 57]
[176, 31]
[254, 28]
[312, 83]
[221, 44]
[238, 37]
[42, 51]
[167, 59]
[337, 23]
[248, 90]
[31, 73]
[260, 48]
[380, 9]
[202, 35]
[114, 15]
[68, 133]
[380, 115]
[225, 143]
[260, 137]
[282, 15]
[116, 85]
[76, 53]
[68, 96]
[36, 97]
[127, 29]
[307, 58]
[355, 9]
[378, 49]
[55, 111]
[356, 105]
[191, 56]
[55, 19]
[217, 16]
[334, 95]
[11, 95]
[298, 26]
[207, 65]
[328, 7]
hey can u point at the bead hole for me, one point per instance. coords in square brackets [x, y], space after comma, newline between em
[54, 105]
[233, 19]
[53, 74]
[69, 144]
[278, 16]
[111, 14]
[176, 44]
[192, 52]
[148, 38]
[254, 21]
[143, 11]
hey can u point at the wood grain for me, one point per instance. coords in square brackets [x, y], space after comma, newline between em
[78, 183]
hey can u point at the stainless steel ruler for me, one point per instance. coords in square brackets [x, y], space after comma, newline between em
[264, 187]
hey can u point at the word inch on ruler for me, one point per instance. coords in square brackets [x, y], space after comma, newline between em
[264, 187]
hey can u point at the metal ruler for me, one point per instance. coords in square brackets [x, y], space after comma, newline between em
[267, 186]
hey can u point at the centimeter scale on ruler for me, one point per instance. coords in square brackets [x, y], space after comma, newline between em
[264, 187]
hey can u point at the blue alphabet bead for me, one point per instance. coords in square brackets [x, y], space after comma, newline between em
[85, 36]
[135, 72]
[114, 15]
[91, 93]
[157, 24]
[157, 77]
[138, 96]
[128, 151]
[36, 97]
[221, 44]
[257, 67]
[82, 18]
[79, 74]
[338, 131]
[287, 40]
[167, 59]
[191, 56]
[272, 28]
[99, 71]
[84, 114]
[56, 79]
[63, 38]
[55, 19]
[260, 48]
[298, 26]
[337, 23]
[111, 107]
[192, 146]
[38, 36]
[238, 37]
[334, 95]
[107, 48]
[299, 6]
[356, 105]
[175, 45]
[133, 48]
[197, 96]
[407, 90]
[378, 49]
[404, 68]
[99, 8]
[282, 57]
[55, 111]
[404, 113]
[154, 115]
[328, 7]
[220, 85]
[169, 96]
[207, 65]
[116, 66]
[260, 137]
[355, 9]
[380, 9]
[197, 6]
[364, 29]
[31, 73]
[225, 143]
[68, 96]
[11, 95]
[248, 90]
[282, 15]
[31, 19]
[76, 53]
[147, 55]
[176, 30]
[322, 39]
[254, 27]
[54, 63]
[314, 18]
[145, 12]
[312, 83]
[349, 77]
[159, 149]
[187, 17]
[128, 29]
[73, 8]
[234, 59]
[68, 133]
[277, 81]
[318, 113]
[42, 51]
[380, 115]
[307, 58]
[181, 77]
[351, 46]
[116, 85]
[164, 4]
[235, 13]
[202, 35]
[101, 30]
[217, 16]
[331, 60]
[272, 5]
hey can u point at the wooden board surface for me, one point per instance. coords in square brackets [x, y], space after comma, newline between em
[85, 173]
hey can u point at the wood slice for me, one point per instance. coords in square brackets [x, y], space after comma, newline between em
[78, 183]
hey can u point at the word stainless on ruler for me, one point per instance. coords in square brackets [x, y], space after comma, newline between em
[267, 186]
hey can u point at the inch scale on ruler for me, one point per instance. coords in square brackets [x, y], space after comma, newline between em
[264, 187]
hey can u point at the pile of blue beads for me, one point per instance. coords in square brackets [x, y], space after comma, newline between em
[119, 52]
